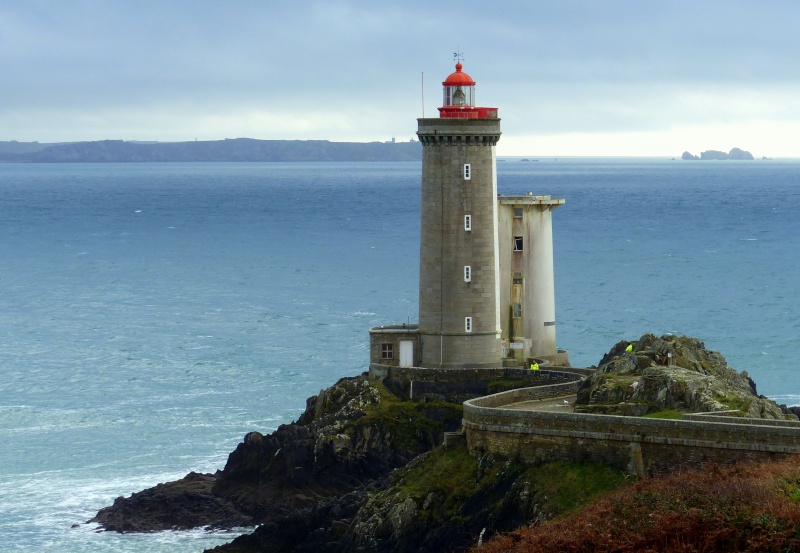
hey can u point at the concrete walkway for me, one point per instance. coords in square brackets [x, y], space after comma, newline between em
[564, 404]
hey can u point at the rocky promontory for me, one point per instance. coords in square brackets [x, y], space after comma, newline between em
[364, 470]
[305, 475]
[671, 374]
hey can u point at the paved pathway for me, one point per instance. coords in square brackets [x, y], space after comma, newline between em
[563, 404]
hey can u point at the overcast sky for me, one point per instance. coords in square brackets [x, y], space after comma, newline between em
[627, 77]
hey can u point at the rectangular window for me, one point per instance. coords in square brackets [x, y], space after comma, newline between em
[468, 324]
[387, 351]
[467, 171]
[517, 311]
[518, 213]
[467, 273]
[467, 222]
[518, 243]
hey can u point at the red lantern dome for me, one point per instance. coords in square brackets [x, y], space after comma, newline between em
[459, 78]
[459, 98]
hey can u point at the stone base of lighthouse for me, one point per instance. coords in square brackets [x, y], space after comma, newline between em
[458, 351]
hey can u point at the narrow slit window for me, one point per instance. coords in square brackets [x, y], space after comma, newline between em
[517, 311]
[468, 324]
[467, 273]
[467, 171]
[387, 351]
[518, 243]
[467, 222]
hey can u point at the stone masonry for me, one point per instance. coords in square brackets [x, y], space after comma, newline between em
[446, 298]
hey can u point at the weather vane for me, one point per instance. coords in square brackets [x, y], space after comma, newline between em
[458, 56]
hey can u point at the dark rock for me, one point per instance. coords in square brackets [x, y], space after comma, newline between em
[304, 482]
[180, 505]
[793, 410]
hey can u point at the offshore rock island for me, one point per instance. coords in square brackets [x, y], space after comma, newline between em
[735, 154]
[472, 422]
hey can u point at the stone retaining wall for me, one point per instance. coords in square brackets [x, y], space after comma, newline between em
[458, 385]
[638, 445]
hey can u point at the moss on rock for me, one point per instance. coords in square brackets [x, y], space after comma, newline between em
[446, 498]
[675, 373]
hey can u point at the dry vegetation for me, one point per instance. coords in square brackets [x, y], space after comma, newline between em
[749, 507]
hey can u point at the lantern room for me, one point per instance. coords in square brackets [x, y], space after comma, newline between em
[459, 98]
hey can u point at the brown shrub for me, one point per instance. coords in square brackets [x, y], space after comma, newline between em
[748, 507]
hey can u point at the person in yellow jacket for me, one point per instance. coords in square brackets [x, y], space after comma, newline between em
[534, 366]
[629, 349]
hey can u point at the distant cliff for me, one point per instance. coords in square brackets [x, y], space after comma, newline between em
[735, 153]
[239, 149]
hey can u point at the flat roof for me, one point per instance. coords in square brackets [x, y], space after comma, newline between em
[530, 199]
[404, 328]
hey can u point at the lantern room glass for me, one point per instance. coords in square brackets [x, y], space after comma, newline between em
[459, 95]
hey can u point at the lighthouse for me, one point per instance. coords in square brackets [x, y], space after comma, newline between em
[486, 278]
[459, 287]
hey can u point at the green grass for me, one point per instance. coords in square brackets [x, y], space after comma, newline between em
[455, 476]
[664, 414]
[447, 471]
[410, 424]
[567, 486]
[734, 402]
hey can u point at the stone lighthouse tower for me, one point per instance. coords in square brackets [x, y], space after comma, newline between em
[459, 287]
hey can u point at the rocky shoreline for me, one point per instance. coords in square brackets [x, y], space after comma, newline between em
[307, 475]
[361, 469]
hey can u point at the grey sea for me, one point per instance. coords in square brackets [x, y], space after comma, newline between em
[153, 314]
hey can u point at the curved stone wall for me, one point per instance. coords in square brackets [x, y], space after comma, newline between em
[638, 445]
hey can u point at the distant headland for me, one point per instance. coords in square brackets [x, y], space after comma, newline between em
[735, 153]
[238, 149]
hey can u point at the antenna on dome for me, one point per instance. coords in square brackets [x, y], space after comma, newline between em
[458, 56]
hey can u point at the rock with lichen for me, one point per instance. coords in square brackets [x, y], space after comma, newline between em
[675, 373]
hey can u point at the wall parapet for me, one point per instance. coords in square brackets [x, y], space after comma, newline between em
[712, 417]
[524, 394]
